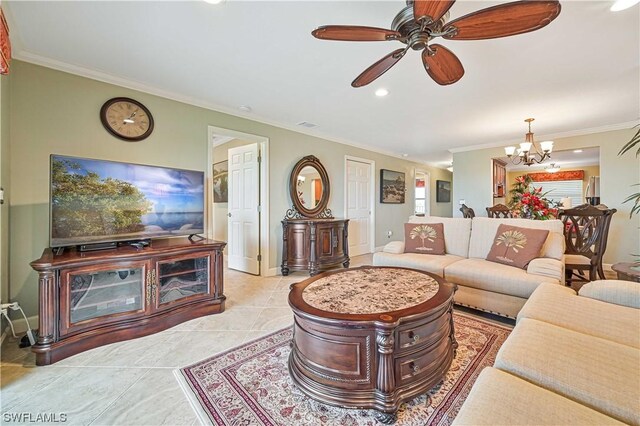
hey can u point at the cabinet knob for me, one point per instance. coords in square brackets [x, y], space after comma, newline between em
[414, 368]
[229, 214]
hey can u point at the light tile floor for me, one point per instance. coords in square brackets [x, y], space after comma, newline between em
[132, 382]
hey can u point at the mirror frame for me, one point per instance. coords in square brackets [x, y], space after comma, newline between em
[319, 209]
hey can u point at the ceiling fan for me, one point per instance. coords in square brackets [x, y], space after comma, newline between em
[423, 20]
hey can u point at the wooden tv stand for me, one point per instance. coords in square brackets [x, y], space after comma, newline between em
[90, 299]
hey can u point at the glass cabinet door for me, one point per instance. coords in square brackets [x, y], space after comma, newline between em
[182, 279]
[98, 294]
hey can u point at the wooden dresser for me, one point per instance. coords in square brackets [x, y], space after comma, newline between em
[314, 244]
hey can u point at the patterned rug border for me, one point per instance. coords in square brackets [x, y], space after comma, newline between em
[198, 404]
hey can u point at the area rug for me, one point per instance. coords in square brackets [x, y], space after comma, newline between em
[250, 384]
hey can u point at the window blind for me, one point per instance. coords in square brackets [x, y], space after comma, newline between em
[557, 190]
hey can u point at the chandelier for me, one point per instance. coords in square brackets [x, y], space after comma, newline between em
[528, 153]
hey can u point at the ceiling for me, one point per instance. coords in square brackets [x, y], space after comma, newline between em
[580, 72]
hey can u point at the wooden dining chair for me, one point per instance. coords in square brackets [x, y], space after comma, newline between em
[467, 212]
[586, 230]
[499, 211]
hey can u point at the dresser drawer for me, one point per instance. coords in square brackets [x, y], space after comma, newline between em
[417, 336]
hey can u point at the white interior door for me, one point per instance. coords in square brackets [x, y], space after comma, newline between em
[359, 206]
[243, 245]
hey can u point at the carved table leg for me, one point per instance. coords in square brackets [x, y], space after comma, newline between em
[386, 418]
[386, 377]
[452, 336]
[284, 270]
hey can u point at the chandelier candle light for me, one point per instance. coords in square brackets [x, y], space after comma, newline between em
[528, 153]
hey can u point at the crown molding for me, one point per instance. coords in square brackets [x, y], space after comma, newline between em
[104, 77]
[569, 134]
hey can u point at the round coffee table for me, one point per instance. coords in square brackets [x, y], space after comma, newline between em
[371, 337]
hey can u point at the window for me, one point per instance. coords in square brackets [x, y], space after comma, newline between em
[557, 190]
[421, 191]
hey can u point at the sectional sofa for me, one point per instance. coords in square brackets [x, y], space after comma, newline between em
[484, 285]
[571, 359]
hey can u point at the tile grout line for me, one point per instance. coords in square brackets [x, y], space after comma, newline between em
[119, 397]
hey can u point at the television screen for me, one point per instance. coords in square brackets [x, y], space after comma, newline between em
[96, 201]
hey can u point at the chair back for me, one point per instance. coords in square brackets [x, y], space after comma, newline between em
[586, 229]
[467, 212]
[499, 211]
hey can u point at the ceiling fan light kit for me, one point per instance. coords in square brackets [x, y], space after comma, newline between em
[421, 21]
[525, 155]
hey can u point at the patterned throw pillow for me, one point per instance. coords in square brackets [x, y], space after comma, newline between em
[425, 238]
[515, 246]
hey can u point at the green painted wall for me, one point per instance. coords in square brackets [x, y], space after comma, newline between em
[473, 174]
[4, 183]
[57, 112]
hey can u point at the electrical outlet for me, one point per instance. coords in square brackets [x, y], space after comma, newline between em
[389, 234]
[461, 202]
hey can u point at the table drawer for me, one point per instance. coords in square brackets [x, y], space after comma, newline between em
[424, 334]
[430, 361]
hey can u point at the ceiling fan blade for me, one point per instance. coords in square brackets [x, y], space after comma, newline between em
[433, 9]
[354, 33]
[379, 68]
[504, 20]
[442, 65]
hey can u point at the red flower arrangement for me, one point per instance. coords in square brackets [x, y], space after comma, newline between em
[530, 203]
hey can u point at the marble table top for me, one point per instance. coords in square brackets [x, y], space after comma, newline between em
[370, 291]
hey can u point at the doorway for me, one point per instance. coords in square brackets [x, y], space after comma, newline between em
[359, 204]
[422, 193]
[246, 157]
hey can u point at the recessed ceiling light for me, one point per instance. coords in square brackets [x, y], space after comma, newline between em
[214, 1]
[405, 155]
[623, 4]
[245, 108]
[577, 151]
[382, 92]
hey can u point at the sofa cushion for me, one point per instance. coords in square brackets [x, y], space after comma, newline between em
[424, 238]
[395, 247]
[484, 231]
[499, 398]
[548, 267]
[495, 277]
[598, 373]
[457, 232]
[516, 246]
[424, 262]
[561, 306]
[624, 293]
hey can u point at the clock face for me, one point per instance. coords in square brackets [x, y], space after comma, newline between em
[126, 119]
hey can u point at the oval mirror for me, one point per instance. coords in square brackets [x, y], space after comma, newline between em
[309, 187]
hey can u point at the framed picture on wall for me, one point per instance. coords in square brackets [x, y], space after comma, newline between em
[392, 187]
[220, 183]
[443, 191]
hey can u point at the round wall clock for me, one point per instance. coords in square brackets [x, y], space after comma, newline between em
[126, 119]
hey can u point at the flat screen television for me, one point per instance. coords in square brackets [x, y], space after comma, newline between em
[99, 201]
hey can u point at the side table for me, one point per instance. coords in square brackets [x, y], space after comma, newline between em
[627, 271]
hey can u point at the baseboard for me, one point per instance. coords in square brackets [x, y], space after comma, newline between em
[377, 249]
[20, 325]
[271, 272]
